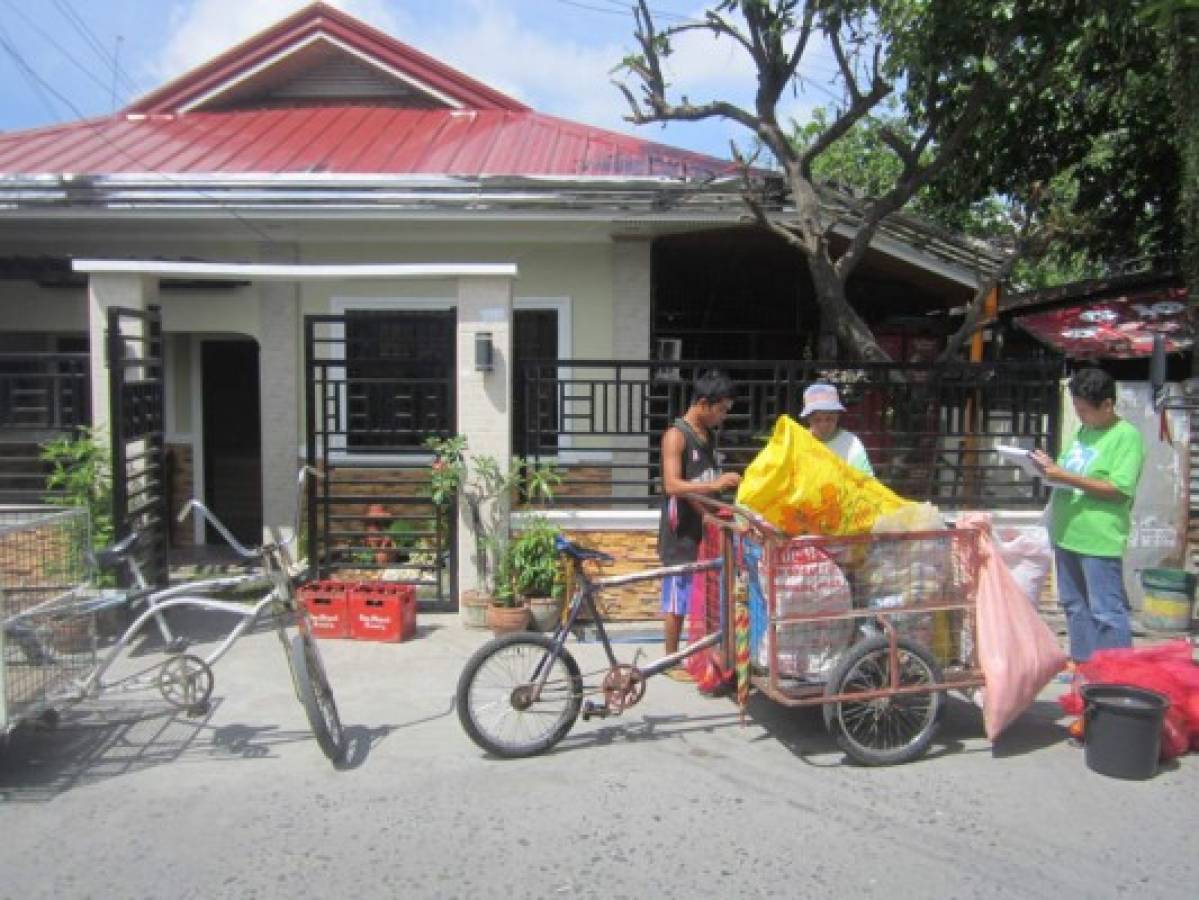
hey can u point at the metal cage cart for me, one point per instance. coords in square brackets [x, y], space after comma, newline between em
[875, 628]
[43, 647]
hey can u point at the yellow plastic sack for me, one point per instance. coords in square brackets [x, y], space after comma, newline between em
[799, 485]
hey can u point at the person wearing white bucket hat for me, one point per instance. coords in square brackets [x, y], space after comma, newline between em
[822, 411]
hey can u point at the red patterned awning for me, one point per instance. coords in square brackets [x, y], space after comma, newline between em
[1116, 328]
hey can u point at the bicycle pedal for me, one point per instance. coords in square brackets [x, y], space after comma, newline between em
[598, 710]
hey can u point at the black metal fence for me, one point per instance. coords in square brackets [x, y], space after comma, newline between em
[931, 431]
[367, 414]
[42, 396]
[137, 419]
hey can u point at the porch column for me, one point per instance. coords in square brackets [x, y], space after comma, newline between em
[279, 362]
[104, 291]
[484, 396]
[631, 340]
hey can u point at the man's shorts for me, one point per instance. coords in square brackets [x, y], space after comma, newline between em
[676, 594]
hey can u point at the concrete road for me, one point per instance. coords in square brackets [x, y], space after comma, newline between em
[675, 799]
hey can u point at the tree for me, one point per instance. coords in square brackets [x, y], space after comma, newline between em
[962, 67]
[1095, 133]
[1178, 20]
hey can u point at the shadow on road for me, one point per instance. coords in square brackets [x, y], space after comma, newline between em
[802, 731]
[96, 741]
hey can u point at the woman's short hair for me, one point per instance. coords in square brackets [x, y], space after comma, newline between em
[1093, 386]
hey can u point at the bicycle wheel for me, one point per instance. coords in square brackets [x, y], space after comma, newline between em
[884, 731]
[316, 696]
[494, 696]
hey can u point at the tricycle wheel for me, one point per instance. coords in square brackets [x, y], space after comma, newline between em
[884, 730]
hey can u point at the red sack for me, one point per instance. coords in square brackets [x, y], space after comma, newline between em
[1166, 668]
[1016, 650]
[1174, 735]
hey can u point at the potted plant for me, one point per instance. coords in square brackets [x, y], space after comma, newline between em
[486, 488]
[531, 571]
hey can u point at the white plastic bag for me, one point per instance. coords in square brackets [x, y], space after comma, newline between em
[1027, 553]
[910, 517]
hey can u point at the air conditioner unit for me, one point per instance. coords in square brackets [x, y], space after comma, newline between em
[668, 350]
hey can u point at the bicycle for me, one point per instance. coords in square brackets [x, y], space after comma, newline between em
[521, 693]
[186, 680]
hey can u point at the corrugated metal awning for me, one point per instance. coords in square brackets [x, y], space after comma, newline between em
[1115, 328]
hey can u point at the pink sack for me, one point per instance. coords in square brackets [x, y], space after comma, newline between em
[1017, 652]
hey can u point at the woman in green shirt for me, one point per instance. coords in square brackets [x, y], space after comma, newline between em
[1089, 516]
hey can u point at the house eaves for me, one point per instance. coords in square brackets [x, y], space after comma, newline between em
[630, 203]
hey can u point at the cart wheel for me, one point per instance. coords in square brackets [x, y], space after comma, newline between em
[316, 696]
[888, 730]
[494, 696]
[185, 681]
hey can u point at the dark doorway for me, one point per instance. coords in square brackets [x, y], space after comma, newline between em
[232, 438]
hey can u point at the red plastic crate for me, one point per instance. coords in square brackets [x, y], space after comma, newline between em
[328, 607]
[382, 611]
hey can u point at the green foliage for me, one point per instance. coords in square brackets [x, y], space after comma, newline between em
[487, 489]
[81, 475]
[1035, 124]
[530, 566]
[1077, 128]
[404, 534]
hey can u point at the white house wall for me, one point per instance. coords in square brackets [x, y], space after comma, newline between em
[580, 272]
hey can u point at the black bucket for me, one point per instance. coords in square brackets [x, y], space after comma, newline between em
[1123, 729]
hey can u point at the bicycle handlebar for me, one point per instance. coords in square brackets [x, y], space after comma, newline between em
[239, 548]
[205, 512]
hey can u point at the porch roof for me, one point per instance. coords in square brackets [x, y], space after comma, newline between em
[232, 271]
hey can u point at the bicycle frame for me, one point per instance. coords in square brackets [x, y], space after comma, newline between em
[584, 600]
[95, 684]
[276, 567]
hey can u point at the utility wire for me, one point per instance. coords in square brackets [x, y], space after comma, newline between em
[40, 86]
[48, 38]
[624, 9]
[98, 127]
[81, 27]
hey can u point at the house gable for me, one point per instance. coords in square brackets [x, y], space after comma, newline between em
[317, 56]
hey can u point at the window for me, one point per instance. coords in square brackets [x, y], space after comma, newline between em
[399, 378]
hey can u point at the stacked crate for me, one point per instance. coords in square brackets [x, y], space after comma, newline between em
[361, 610]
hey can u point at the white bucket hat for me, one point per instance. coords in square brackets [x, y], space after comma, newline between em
[821, 398]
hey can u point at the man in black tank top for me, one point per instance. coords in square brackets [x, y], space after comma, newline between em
[690, 466]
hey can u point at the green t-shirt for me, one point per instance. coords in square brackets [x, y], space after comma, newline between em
[1086, 524]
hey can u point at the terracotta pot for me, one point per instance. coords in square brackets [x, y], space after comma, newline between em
[505, 619]
[473, 608]
[545, 612]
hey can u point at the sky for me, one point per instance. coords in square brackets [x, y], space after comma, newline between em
[57, 56]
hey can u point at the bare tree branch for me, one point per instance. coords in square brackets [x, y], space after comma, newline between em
[801, 41]
[843, 63]
[858, 110]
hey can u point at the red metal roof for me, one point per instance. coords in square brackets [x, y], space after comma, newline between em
[225, 117]
[346, 139]
[320, 21]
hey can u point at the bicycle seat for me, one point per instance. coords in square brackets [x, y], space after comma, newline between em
[116, 553]
[574, 551]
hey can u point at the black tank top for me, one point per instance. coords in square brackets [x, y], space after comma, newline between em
[681, 526]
